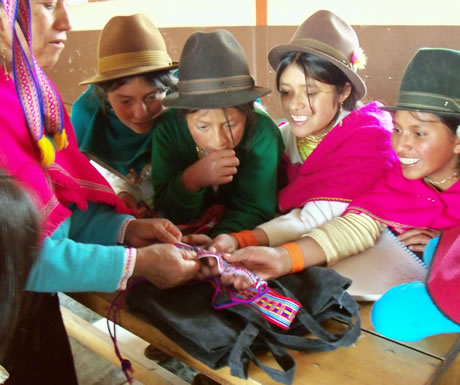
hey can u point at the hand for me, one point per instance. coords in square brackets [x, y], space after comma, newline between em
[216, 168]
[201, 240]
[417, 238]
[166, 265]
[225, 243]
[266, 262]
[143, 232]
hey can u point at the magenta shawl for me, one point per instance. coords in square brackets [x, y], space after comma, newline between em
[71, 179]
[403, 204]
[348, 161]
[443, 283]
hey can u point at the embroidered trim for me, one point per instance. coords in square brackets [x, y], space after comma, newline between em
[128, 268]
[275, 308]
[121, 234]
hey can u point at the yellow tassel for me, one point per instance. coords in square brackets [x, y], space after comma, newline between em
[47, 151]
[60, 138]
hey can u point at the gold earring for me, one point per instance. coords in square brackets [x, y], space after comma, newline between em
[5, 70]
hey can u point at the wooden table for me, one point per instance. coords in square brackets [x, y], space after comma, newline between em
[373, 360]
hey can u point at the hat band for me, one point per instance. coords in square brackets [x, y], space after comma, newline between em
[215, 85]
[322, 47]
[424, 100]
[132, 60]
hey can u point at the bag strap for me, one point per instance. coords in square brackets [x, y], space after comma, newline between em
[325, 340]
[241, 352]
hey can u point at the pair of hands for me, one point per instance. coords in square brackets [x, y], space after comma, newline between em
[266, 262]
[417, 238]
[216, 168]
[272, 262]
[163, 264]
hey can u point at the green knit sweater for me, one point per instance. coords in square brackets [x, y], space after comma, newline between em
[250, 199]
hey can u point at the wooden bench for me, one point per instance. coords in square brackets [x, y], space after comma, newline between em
[373, 360]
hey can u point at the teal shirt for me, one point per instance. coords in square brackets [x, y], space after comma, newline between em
[104, 137]
[82, 254]
[250, 199]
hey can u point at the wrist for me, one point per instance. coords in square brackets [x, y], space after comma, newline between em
[245, 238]
[189, 182]
[294, 256]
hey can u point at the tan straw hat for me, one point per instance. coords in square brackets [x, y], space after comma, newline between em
[326, 35]
[130, 45]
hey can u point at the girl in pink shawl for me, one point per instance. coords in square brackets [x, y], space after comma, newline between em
[418, 199]
[335, 149]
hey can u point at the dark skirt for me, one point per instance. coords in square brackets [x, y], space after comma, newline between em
[40, 351]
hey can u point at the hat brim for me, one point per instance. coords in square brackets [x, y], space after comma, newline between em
[126, 72]
[214, 100]
[427, 110]
[278, 52]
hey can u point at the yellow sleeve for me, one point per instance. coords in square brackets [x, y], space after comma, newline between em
[346, 235]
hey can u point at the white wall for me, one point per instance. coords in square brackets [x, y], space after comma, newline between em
[368, 12]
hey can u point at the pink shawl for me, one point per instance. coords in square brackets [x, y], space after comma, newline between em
[443, 281]
[348, 161]
[71, 179]
[402, 204]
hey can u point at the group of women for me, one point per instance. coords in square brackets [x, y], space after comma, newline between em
[163, 149]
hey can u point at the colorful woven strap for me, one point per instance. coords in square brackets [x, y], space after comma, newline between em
[275, 308]
[39, 99]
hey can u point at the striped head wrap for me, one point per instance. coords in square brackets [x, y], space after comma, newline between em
[39, 99]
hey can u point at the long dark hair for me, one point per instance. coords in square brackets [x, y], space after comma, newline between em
[163, 80]
[19, 238]
[320, 69]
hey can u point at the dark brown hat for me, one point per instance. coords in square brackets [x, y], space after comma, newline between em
[213, 73]
[431, 83]
[130, 45]
[326, 35]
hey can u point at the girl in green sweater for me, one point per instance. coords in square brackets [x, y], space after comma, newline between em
[215, 156]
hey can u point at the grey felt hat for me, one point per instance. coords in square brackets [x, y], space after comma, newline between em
[431, 83]
[213, 73]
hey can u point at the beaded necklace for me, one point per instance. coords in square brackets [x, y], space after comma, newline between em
[307, 144]
[440, 182]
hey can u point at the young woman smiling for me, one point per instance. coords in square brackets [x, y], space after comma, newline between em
[417, 199]
[114, 118]
[335, 148]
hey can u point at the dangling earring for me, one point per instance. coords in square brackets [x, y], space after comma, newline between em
[5, 70]
[339, 112]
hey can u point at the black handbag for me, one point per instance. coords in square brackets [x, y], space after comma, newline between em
[235, 335]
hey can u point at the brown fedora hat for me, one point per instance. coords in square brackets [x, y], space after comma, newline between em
[326, 35]
[130, 45]
[213, 73]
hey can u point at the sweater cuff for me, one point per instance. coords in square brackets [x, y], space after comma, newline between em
[121, 234]
[128, 268]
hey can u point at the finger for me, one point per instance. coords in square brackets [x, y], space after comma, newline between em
[417, 248]
[420, 239]
[188, 255]
[407, 234]
[241, 284]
